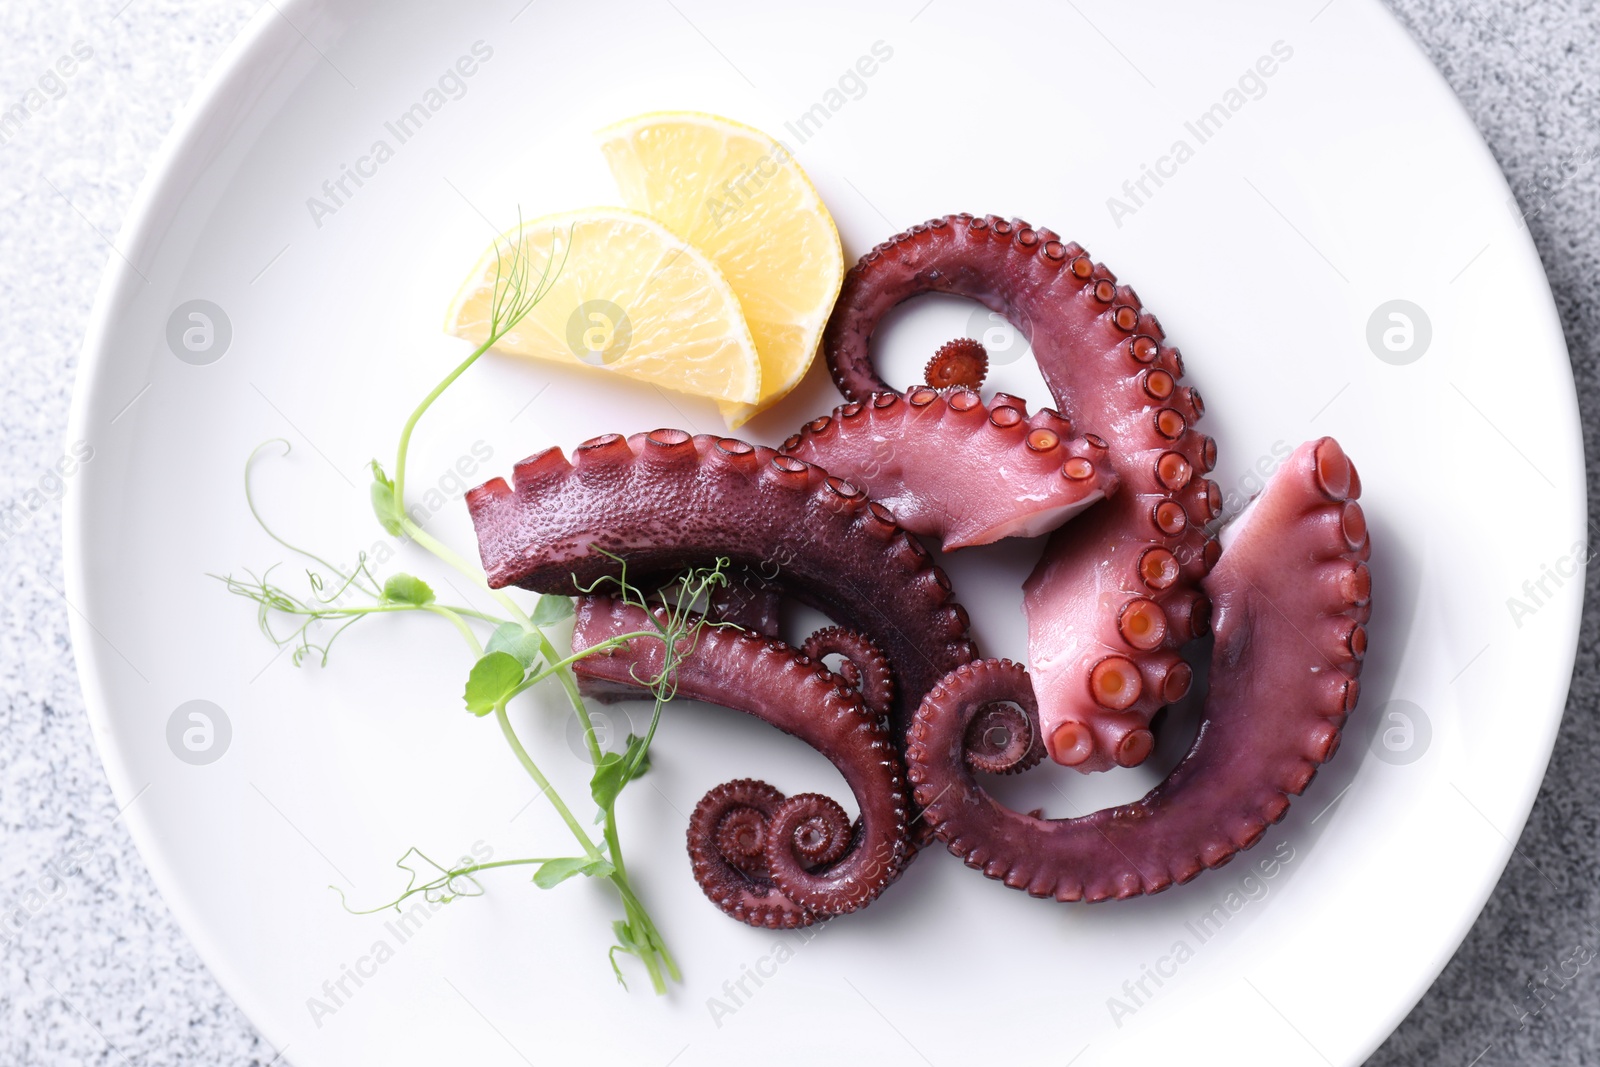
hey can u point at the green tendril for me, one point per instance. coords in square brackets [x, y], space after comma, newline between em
[516, 657]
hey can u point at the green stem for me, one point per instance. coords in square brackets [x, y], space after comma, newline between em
[543, 783]
[299, 607]
[460, 625]
[416, 416]
[448, 555]
[568, 682]
[640, 920]
[475, 868]
[444, 881]
[512, 300]
[649, 736]
[250, 501]
[637, 917]
[380, 609]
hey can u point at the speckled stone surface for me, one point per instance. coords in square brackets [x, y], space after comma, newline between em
[93, 968]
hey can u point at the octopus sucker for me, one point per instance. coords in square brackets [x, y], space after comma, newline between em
[764, 858]
[1111, 374]
[1265, 729]
[925, 459]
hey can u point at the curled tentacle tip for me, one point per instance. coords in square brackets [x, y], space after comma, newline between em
[963, 361]
[818, 831]
[1001, 739]
[850, 673]
[862, 664]
[741, 838]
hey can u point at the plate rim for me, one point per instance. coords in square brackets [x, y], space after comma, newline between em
[205, 108]
[261, 37]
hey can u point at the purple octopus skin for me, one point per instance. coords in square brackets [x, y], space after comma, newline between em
[862, 665]
[1116, 593]
[922, 454]
[762, 858]
[665, 501]
[1292, 594]
[748, 601]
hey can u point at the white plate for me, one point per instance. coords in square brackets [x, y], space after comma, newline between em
[1346, 179]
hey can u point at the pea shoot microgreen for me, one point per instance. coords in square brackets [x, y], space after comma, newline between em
[517, 655]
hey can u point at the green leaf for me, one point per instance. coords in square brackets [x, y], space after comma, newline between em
[551, 609]
[515, 641]
[607, 780]
[407, 589]
[552, 873]
[384, 504]
[636, 750]
[493, 680]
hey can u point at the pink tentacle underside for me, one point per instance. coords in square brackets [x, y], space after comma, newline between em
[953, 468]
[1117, 591]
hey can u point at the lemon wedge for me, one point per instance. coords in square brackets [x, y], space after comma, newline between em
[741, 198]
[628, 297]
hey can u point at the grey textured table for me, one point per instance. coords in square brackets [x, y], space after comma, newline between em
[93, 968]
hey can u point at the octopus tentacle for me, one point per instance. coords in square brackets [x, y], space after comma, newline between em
[666, 500]
[1003, 738]
[1117, 593]
[727, 853]
[805, 839]
[740, 833]
[952, 467]
[1292, 595]
[747, 601]
[980, 258]
[862, 664]
[781, 686]
[812, 829]
[961, 362]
